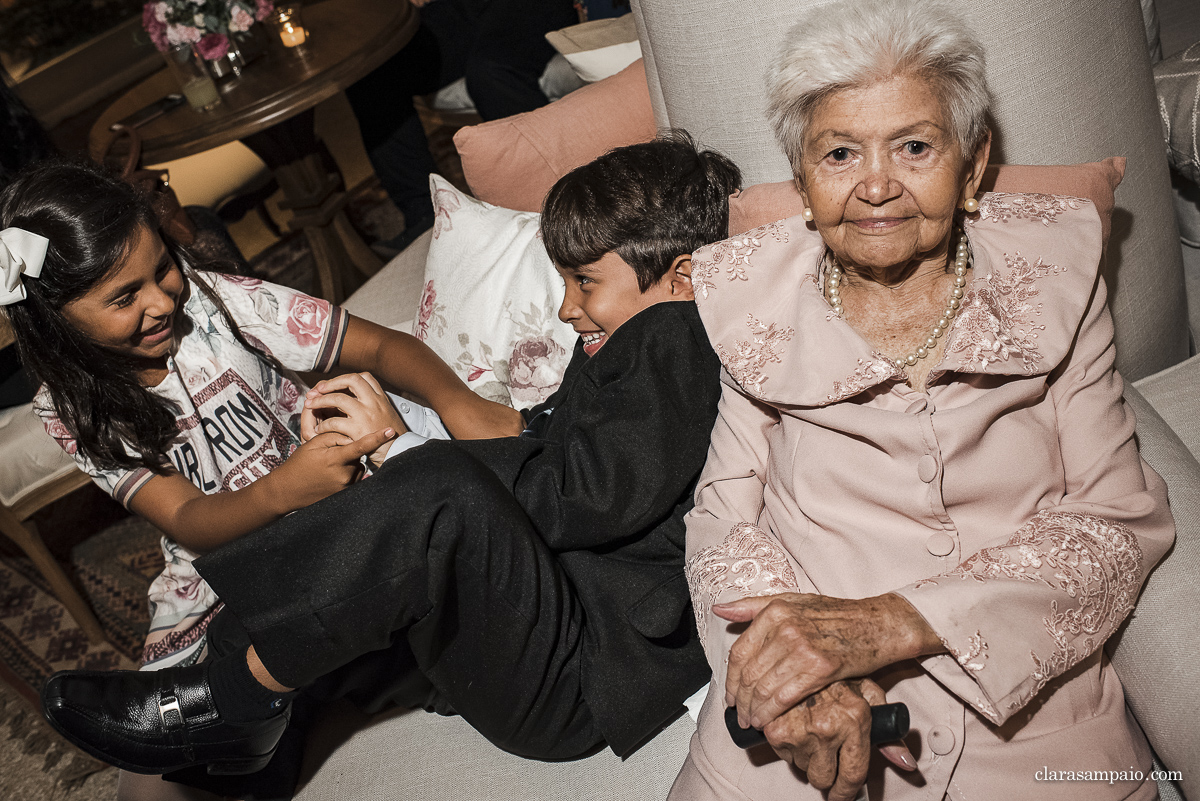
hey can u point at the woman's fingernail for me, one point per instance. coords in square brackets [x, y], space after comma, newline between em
[907, 759]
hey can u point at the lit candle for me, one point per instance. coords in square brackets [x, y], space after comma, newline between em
[291, 32]
[292, 35]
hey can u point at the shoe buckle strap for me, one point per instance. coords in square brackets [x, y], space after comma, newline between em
[170, 713]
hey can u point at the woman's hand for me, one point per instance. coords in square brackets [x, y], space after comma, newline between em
[353, 405]
[798, 644]
[828, 736]
[473, 417]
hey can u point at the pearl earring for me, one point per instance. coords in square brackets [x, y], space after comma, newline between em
[807, 215]
[970, 205]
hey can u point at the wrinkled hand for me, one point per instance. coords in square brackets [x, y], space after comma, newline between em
[353, 405]
[828, 736]
[323, 465]
[798, 644]
[474, 417]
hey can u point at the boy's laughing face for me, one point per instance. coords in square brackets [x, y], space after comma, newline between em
[601, 296]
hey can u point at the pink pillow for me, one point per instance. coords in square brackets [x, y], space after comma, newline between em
[765, 203]
[513, 162]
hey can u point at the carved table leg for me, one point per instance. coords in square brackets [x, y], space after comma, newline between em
[317, 199]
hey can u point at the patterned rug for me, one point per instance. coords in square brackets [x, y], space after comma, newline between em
[38, 637]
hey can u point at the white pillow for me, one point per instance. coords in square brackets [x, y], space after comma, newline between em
[490, 302]
[599, 48]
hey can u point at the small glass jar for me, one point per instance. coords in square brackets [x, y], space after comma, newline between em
[290, 26]
[194, 79]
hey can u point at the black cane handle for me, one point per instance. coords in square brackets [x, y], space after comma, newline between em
[889, 722]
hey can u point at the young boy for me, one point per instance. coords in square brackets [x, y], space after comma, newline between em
[534, 585]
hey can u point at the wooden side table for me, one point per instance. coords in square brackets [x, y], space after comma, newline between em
[270, 108]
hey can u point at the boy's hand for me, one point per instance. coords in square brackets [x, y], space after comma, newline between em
[479, 418]
[354, 405]
[323, 465]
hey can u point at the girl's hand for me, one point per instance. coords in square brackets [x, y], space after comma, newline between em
[798, 644]
[327, 463]
[828, 736]
[474, 417]
[354, 405]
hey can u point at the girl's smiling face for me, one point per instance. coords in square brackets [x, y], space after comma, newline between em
[600, 297]
[132, 309]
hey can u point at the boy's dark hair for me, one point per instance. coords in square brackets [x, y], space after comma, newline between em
[648, 203]
[92, 218]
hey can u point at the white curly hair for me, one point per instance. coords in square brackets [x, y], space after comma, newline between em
[855, 43]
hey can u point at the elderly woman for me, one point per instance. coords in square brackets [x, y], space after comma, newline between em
[923, 477]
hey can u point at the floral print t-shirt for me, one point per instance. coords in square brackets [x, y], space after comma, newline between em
[238, 420]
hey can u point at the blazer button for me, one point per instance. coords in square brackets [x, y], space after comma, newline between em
[927, 468]
[940, 544]
[919, 405]
[941, 740]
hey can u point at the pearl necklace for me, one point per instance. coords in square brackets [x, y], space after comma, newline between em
[962, 261]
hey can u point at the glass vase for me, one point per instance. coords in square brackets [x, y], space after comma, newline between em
[194, 79]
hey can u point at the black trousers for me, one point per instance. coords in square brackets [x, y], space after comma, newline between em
[499, 46]
[427, 575]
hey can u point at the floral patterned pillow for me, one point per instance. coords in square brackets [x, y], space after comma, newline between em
[490, 303]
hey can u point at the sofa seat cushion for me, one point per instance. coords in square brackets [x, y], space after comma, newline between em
[31, 459]
[418, 755]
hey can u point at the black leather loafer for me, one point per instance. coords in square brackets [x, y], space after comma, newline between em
[157, 721]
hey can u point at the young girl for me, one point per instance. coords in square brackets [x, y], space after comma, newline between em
[174, 389]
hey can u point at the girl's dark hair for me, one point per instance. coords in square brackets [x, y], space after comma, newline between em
[648, 203]
[92, 219]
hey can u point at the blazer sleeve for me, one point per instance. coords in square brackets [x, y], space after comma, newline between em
[1015, 616]
[627, 445]
[729, 556]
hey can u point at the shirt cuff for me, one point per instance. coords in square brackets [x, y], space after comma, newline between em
[404, 442]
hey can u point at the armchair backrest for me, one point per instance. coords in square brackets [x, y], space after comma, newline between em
[1072, 83]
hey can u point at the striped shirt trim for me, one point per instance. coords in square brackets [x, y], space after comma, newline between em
[331, 349]
[130, 483]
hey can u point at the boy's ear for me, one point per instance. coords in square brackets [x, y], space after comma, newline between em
[680, 276]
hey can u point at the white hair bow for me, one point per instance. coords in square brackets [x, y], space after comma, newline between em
[21, 253]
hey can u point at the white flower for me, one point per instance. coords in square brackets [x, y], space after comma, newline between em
[240, 19]
[182, 34]
[160, 12]
[198, 20]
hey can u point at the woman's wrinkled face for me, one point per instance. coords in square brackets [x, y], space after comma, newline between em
[132, 309]
[883, 173]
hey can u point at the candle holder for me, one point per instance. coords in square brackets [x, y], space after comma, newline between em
[290, 27]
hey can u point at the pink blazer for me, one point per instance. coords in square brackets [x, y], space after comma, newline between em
[1007, 503]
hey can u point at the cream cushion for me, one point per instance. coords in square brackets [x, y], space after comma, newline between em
[599, 48]
[29, 458]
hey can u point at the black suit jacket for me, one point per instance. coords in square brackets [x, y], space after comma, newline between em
[606, 473]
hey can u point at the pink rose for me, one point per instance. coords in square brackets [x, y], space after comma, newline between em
[55, 428]
[445, 202]
[182, 34]
[153, 20]
[212, 46]
[288, 395]
[263, 9]
[306, 320]
[428, 297]
[240, 19]
[536, 369]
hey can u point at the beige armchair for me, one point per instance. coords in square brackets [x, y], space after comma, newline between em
[34, 472]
